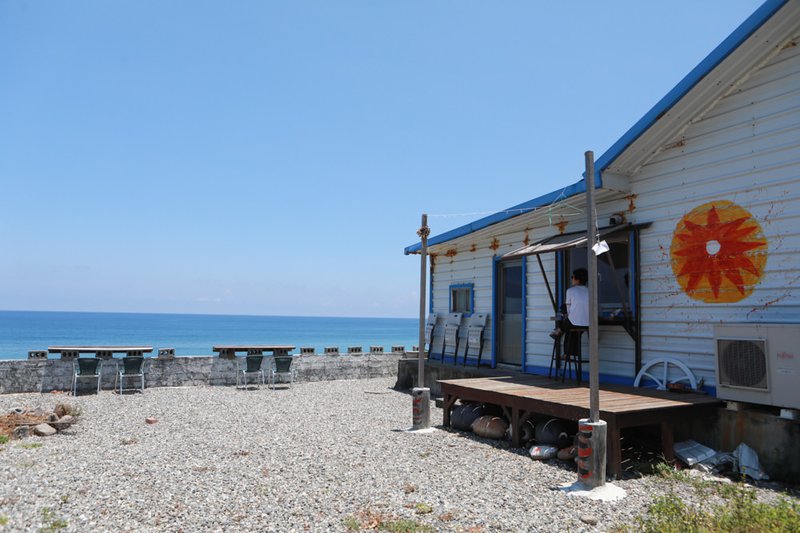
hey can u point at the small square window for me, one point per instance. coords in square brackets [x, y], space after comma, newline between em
[461, 298]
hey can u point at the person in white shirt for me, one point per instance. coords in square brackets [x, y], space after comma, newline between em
[577, 303]
[576, 309]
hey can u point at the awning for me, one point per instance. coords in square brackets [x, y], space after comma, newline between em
[568, 240]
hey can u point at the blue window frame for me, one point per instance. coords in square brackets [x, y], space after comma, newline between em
[462, 298]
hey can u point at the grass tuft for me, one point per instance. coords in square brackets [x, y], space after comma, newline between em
[741, 512]
[51, 523]
[370, 520]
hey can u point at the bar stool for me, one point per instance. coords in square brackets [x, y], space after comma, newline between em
[555, 359]
[573, 363]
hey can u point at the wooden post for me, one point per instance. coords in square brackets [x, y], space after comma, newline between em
[423, 233]
[592, 455]
[420, 395]
[591, 234]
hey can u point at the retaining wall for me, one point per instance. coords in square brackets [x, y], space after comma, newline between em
[56, 374]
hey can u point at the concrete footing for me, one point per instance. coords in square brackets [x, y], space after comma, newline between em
[592, 452]
[420, 408]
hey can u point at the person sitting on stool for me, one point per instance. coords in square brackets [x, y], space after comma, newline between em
[576, 308]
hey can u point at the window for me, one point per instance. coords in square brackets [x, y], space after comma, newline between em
[615, 276]
[461, 298]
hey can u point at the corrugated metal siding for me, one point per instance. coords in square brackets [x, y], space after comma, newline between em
[745, 149]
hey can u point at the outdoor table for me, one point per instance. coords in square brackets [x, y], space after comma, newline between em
[102, 352]
[229, 352]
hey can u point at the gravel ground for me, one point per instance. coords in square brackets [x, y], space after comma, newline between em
[314, 457]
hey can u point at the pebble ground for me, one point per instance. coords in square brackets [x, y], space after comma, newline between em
[323, 456]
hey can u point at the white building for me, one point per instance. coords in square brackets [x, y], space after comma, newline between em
[703, 197]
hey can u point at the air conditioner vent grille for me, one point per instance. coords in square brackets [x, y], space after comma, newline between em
[743, 363]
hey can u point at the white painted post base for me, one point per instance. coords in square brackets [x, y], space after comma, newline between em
[420, 408]
[592, 453]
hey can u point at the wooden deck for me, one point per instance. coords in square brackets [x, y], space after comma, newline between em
[620, 407]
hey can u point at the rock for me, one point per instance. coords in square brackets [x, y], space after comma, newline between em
[44, 430]
[63, 423]
[60, 409]
[589, 519]
[21, 432]
[151, 420]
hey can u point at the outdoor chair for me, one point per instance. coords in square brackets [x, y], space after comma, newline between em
[430, 329]
[281, 367]
[251, 364]
[132, 367]
[476, 325]
[86, 368]
[452, 325]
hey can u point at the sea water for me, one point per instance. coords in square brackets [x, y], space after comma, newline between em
[21, 331]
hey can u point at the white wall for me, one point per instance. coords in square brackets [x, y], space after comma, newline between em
[745, 149]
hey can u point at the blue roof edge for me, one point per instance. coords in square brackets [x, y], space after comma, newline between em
[723, 50]
[542, 201]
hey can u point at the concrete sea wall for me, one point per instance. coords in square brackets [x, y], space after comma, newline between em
[47, 375]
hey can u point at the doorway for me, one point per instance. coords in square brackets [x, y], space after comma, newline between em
[509, 301]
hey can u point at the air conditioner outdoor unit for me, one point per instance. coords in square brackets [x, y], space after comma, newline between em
[758, 363]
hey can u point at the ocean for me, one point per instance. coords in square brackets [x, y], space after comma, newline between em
[21, 331]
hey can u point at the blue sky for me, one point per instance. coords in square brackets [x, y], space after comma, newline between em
[257, 157]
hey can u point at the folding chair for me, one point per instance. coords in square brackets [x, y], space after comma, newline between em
[430, 328]
[476, 326]
[451, 326]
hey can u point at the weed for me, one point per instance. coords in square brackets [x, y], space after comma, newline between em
[406, 525]
[51, 523]
[351, 523]
[3, 520]
[423, 508]
[30, 445]
[64, 498]
[425, 455]
[668, 471]
[3, 439]
[741, 511]
[372, 520]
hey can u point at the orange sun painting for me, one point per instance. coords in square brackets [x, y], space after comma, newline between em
[718, 252]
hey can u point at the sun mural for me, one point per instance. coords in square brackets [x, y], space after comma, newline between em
[718, 252]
